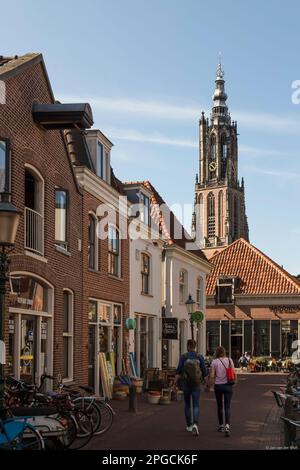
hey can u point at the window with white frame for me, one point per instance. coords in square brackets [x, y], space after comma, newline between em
[199, 291]
[68, 330]
[145, 209]
[145, 272]
[182, 286]
[93, 245]
[61, 217]
[114, 260]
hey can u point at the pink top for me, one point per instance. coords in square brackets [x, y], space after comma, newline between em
[220, 369]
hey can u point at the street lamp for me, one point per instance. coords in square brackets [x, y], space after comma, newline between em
[190, 307]
[9, 221]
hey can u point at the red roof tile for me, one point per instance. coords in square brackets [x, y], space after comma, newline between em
[257, 273]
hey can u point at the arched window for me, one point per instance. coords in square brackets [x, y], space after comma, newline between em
[93, 245]
[224, 154]
[114, 259]
[183, 286]
[220, 203]
[199, 292]
[211, 218]
[34, 210]
[145, 272]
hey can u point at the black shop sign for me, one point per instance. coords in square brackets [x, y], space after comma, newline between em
[169, 328]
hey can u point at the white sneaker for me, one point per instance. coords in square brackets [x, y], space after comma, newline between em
[221, 428]
[227, 430]
[189, 428]
[195, 430]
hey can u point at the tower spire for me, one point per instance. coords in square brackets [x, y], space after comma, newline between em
[220, 111]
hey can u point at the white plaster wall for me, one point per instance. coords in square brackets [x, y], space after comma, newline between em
[173, 264]
[144, 304]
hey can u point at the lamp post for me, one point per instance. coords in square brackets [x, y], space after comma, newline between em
[190, 306]
[9, 221]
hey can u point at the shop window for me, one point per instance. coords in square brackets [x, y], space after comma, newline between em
[68, 321]
[4, 165]
[262, 337]
[225, 335]
[61, 217]
[213, 336]
[113, 251]
[145, 272]
[225, 291]
[92, 312]
[183, 285]
[275, 338]
[248, 336]
[289, 333]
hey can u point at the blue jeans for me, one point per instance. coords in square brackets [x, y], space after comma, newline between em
[194, 393]
[223, 394]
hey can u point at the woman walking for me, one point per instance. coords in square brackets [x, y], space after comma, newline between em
[223, 387]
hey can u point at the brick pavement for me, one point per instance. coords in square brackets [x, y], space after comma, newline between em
[154, 427]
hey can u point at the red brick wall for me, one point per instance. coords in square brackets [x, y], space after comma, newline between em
[47, 152]
[99, 284]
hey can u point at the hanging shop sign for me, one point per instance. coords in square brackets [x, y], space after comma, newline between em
[169, 328]
[198, 317]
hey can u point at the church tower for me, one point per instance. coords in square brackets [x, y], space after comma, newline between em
[219, 216]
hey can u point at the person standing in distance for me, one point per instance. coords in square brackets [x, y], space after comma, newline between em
[192, 370]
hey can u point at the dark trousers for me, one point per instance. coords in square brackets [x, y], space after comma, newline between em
[223, 394]
[194, 394]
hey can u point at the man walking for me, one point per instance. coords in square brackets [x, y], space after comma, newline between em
[192, 370]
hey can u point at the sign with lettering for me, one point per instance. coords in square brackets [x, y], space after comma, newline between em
[285, 308]
[170, 328]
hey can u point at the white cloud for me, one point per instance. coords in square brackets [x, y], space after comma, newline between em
[286, 175]
[153, 138]
[260, 121]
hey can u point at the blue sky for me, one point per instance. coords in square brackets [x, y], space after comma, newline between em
[148, 69]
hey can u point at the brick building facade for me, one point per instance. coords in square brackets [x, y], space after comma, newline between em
[56, 184]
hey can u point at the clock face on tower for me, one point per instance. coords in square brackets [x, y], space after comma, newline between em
[212, 166]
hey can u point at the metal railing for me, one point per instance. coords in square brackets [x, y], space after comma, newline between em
[34, 231]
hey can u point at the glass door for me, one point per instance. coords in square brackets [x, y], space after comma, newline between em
[236, 340]
[28, 348]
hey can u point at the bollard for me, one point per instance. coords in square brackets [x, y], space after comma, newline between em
[132, 399]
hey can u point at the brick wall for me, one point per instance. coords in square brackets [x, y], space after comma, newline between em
[46, 151]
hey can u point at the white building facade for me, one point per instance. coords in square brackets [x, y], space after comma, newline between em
[184, 274]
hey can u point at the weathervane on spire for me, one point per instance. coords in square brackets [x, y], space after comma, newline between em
[220, 72]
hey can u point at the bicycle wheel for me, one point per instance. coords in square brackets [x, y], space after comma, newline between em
[31, 439]
[84, 429]
[107, 417]
[92, 409]
[68, 421]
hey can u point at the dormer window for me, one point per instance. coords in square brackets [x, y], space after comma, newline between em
[225, 290]
[145, 209]
[102, 161]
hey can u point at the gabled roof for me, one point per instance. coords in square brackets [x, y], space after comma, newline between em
[173, 232]
[257, 273]
[11, 66]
